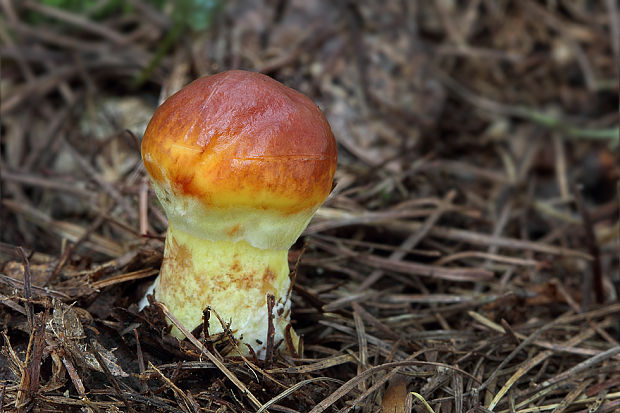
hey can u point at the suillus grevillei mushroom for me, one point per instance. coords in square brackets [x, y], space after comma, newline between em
[240, 163]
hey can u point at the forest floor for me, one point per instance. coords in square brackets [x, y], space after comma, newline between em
[467, 259]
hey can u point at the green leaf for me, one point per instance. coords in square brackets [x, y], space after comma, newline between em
[196, 14]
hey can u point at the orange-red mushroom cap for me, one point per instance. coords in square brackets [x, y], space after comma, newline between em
[239, 139]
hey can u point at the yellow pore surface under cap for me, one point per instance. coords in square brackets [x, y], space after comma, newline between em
[232, 278]
[261, 228]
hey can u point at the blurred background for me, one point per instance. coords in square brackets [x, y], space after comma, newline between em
[488, 98]
[480, 137]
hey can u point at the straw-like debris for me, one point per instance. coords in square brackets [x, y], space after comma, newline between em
[467, 259]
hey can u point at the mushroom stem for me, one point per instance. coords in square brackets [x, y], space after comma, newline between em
[232, 278]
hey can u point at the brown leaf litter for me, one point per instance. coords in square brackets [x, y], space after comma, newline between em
[466, 261]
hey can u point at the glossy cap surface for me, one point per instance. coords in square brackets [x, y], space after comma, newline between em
[242, 139]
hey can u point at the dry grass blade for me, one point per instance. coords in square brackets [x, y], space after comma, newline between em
[67, 230]
[105, 185]
[30, 380]
[47, 183]
[351, 384]
[319, 365]
[188, 404]
[38, 290]
[238, 383]
[432, 271]
[360, 330]
[586, 364]
[413, 239]
[121, 278]
[502, 242]
[372, 389]
[544, 355]
[571, 396]
[27, 288]
[293, 389]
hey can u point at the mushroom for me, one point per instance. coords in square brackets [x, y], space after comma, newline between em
[240, 164]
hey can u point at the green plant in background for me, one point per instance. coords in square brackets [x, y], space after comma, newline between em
[612, 135]
[96, 10]
[186, 15]
[195, 15]
[73, 5]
